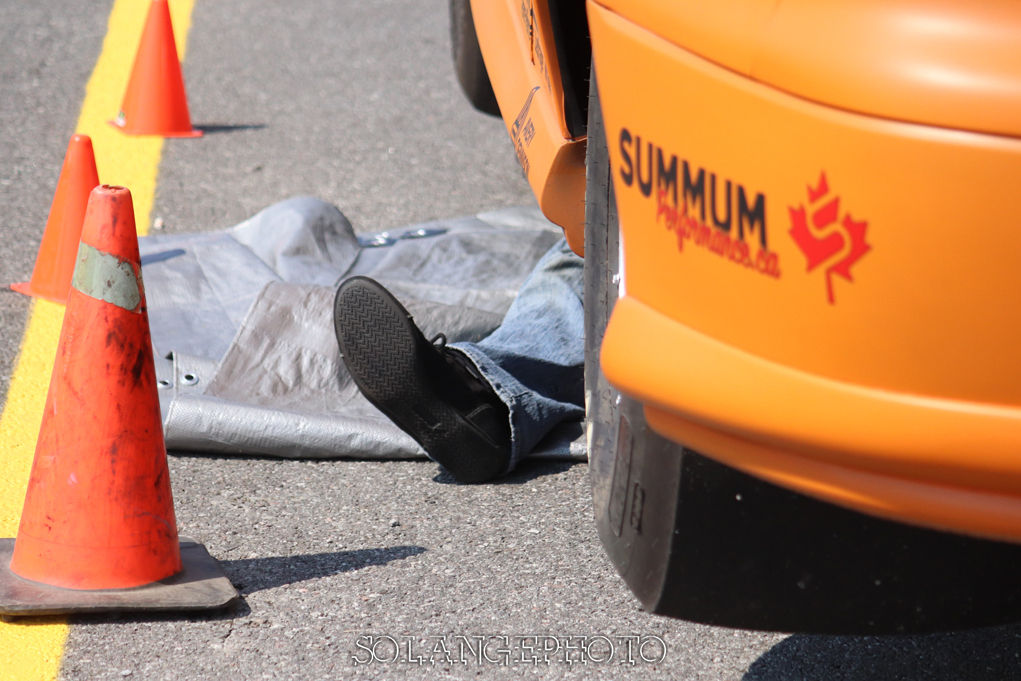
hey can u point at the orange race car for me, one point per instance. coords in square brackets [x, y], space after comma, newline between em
[811, 287]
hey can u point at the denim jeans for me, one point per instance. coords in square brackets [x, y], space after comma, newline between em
[535, 359]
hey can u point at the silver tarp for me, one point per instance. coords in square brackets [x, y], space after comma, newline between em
[242, 323]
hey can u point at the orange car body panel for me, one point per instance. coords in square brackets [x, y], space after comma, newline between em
[821, 287]
[521, 58]
[941, 62]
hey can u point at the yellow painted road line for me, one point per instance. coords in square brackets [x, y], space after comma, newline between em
[31, 649]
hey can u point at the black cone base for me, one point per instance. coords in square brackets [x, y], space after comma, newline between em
[201, 585]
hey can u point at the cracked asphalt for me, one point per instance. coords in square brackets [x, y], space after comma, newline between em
[356, 103]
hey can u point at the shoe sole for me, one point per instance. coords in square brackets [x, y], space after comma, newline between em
[377, 339]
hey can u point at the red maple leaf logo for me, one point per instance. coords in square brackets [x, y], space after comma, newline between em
[825, 213]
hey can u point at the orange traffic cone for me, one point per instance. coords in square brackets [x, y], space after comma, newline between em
[155, 102]
[51, 277]
[99, 513]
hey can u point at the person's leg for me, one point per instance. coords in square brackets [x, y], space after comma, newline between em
[534, 360]
[476, 408]
[431, 392]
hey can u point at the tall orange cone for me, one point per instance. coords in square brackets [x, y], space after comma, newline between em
[99, 513]
[51, 277]
[155, 102]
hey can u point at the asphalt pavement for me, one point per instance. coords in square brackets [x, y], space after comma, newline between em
[343, 564]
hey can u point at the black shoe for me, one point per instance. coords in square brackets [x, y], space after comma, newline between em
[432, 392]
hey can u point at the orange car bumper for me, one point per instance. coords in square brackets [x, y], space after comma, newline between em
[820, 298]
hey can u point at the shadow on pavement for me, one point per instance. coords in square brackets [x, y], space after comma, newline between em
[234, 610]
[250, 575]
[957, 656]
[213, 128]
[526, 471]
[255, 574]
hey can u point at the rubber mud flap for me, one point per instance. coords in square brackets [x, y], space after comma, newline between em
[710, 544]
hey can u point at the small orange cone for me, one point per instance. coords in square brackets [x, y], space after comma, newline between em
[51, 277]
[155, 102]
[99, 513]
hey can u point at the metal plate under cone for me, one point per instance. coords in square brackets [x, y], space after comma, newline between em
[201, 585]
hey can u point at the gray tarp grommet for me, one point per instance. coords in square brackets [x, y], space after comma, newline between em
[377, 240]
[424, 232]
[164, 384]
[189, 379]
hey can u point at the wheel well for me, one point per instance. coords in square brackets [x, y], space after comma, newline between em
[569, 23]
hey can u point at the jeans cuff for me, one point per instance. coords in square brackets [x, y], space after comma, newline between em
[507, 388]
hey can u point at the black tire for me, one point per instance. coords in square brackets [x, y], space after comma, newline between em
[620, 442]
[468, 64]
[601, 255]
[697, 540]
[602, 239]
